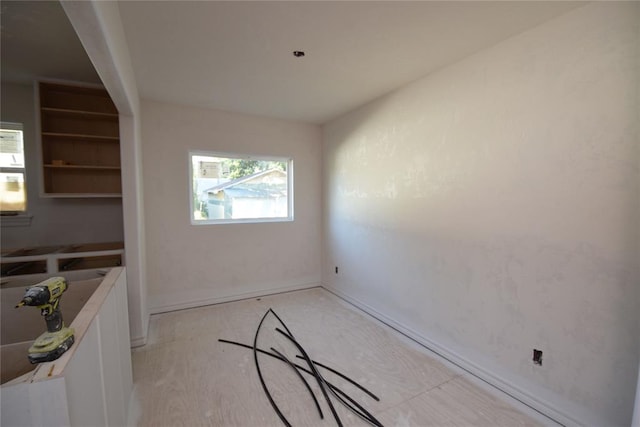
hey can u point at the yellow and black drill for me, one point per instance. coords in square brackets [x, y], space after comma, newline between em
[58, 338]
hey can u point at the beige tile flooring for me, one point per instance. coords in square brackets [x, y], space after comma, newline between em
[185, 377]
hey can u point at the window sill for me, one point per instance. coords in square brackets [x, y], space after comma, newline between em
[16, 220]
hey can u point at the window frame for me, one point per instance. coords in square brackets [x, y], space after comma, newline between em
[241, 156]
[6, 214]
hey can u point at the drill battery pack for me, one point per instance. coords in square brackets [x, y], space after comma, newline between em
[51, 345]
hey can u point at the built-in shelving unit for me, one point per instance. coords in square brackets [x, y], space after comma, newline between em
[79, 132]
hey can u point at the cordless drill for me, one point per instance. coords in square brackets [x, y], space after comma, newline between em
[58, 338]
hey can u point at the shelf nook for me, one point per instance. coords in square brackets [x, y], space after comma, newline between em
[79, 131]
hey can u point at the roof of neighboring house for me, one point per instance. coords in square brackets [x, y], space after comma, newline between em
[247, 192]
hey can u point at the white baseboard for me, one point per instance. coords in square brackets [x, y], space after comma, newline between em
[138, 341]
[538, 404]
[214, 298]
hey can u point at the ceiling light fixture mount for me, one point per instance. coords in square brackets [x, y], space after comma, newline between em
[298, 53]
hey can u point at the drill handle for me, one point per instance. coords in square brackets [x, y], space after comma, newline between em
[54, 320]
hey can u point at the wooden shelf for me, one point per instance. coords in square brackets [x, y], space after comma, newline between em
[23, 267]
[80, 136]
[75, 97]
[78, 113]
[82, 196]
[80, 140]
[90, 167]
[89, 262]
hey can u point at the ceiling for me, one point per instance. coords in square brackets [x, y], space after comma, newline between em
[238, 56]
[37, 41]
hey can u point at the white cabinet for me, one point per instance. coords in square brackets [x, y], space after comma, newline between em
[91, 384]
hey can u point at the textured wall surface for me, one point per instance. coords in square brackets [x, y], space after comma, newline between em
[492, 208]
[195, 264]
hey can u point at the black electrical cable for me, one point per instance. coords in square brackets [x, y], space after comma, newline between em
[320, 364]
[368, 417]
[338, 373]
[341, 375]
[259, 350]
[365, 415]
[264, 386]
[281, 322]
[359, 410]
[293, 366]
[316, 374]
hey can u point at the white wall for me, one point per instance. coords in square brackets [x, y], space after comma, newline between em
[55, 221]
[492, 208]
[194, 265]
[100, 30]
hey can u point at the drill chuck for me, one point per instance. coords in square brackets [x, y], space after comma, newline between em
[37, 295]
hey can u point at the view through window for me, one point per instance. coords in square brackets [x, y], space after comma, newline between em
[226, 188]
[13, 191]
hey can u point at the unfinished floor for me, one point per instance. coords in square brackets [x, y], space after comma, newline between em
[185, 377]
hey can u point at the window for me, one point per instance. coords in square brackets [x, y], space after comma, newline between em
[228, 188]
[13, 191]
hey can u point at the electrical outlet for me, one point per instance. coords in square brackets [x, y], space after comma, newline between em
[336, 269]
[537, 357]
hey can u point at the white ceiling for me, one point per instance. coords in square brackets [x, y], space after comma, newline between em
[37, 41]
[237, 56]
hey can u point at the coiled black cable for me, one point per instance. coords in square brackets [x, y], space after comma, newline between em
[364, 415]
[264, 385]
[316, 374]
[293, 366]
[345, 399]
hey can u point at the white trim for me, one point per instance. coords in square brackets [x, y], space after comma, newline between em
[239, 156]
[13, 126]
[635, 421]
[67, 82]
[20, 220]
[240, 221]
[544, 407]
[218, 154]
[138, 341]
[163, 308]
